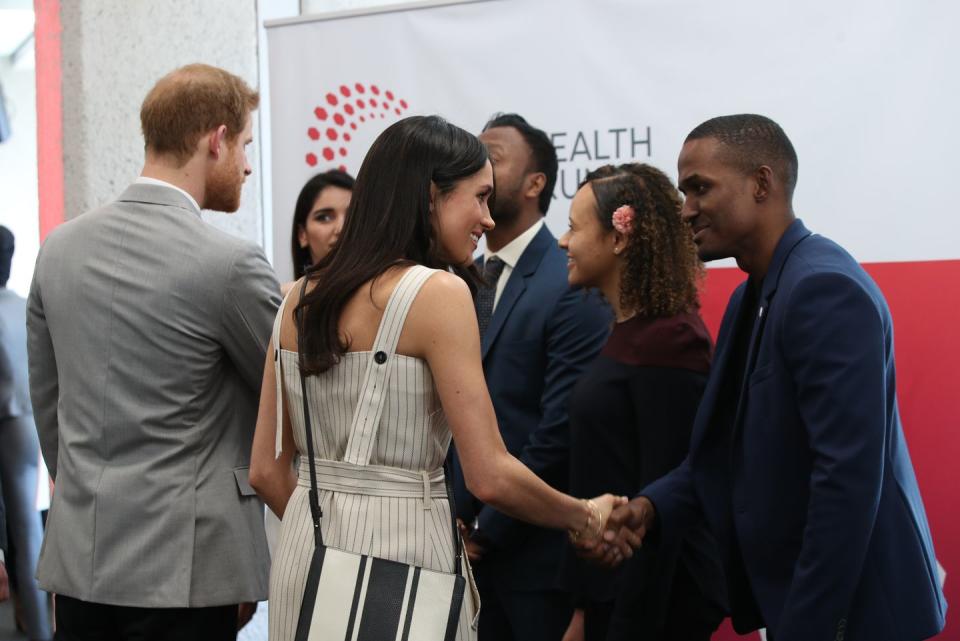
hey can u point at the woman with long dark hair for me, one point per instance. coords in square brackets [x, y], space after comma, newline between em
[632, 411]
[318, 218]
[391, 305]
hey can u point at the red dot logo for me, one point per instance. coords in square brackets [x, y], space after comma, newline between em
[353, 106]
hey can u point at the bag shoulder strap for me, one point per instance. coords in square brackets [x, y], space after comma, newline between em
[315, 512]
[366, 417]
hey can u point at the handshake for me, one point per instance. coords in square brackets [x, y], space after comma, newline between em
[622, 526]
[615, 528]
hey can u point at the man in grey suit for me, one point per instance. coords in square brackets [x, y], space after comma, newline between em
[147, 336]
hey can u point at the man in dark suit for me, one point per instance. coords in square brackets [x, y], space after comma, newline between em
[4, 581]
[6, 253]
[537, 334]
[798, 459]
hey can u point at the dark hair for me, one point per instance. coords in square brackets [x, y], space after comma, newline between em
[389, 223]
[751, 141]
[543, 152]
[308, 195]
[6, 254]
[662, 270]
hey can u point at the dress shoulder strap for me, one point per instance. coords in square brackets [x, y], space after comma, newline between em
[278, 372]
[366, 417]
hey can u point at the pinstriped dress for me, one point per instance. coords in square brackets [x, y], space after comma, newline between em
[379, 463]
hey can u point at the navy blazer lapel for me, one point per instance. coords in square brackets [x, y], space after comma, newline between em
[795, 233]
[711, 393]
[516, 285]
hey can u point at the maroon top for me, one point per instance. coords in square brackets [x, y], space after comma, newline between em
[680, 341]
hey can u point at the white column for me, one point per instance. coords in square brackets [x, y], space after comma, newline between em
[113, 51]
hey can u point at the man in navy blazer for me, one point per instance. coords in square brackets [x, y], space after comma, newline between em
[798, 459]
[537, 336]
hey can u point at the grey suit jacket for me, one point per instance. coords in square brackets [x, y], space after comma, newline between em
[14, 390]
[147, 332]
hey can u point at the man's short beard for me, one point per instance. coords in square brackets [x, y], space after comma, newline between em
[505, 212]
[223, 193]
[506, 207]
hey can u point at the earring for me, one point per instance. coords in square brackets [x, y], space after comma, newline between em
[616, 250]
[303, 244]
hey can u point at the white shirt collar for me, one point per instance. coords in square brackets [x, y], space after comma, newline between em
[144, 180]
[511, 252]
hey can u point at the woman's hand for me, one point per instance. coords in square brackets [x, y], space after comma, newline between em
[599, 509]
[606, 504]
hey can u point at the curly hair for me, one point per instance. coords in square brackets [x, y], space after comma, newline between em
[662, 271]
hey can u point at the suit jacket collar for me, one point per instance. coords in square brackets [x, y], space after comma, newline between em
[517, 284]
[793, 235]
[157, 195]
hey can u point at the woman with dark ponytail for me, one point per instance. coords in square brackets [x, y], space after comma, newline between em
[392, 305]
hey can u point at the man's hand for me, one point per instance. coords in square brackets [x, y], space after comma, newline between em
[245, 612]
[474, 550]
[4, 583]
[625, 528]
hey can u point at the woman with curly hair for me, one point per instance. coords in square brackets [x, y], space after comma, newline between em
[632, 411]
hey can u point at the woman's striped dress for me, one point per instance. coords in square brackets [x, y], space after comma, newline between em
[379, 463]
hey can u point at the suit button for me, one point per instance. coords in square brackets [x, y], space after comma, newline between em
[380, 357]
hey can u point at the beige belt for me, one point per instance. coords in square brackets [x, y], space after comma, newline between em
[375, 480]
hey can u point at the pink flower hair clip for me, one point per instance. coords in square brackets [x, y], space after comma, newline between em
[623, 219]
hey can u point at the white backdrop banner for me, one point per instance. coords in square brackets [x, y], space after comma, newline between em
[864, 90]
[868, 92]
